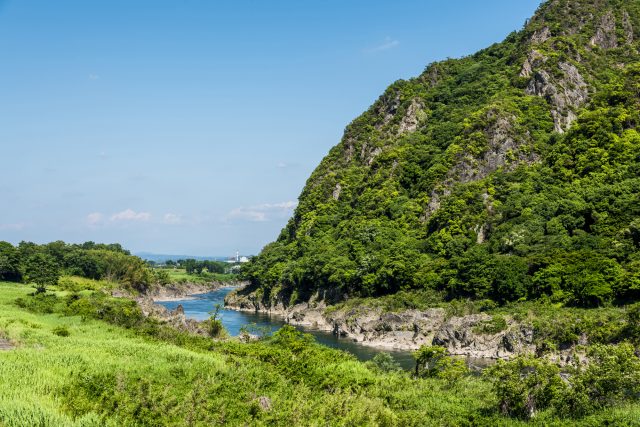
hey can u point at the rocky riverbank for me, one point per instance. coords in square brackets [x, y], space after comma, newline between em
[474, 336]
[176, 318]
[177, 292]
[184, 291]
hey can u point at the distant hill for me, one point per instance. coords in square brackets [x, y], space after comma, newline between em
[160, 258]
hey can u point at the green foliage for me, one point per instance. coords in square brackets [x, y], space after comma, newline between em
[254, 330]
[214, 324]
[611, 377]
[151, 374]
[61, 331]
[9, 263]
[193, 266]
[526, 385]
[291, 338]
[180, 276]
[632, 329]
[403, 300]
[44, 264]
[385, 363]
[492, 326]
[42, 270]
[161, 277]
[122, 312]
[40, 303]
[435, 362]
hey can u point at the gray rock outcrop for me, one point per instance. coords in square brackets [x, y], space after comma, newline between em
[405, 330]
[606, 37]
[565, 93]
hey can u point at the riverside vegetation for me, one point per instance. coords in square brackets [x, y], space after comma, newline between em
[74, 355]
[88, 359]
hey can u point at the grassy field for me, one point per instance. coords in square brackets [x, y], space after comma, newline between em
[102, 374]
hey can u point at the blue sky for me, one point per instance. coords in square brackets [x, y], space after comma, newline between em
[191, 126]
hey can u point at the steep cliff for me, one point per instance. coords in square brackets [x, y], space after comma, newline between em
[510, 174]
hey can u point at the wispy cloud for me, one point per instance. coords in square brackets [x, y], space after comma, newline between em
[94, 218]
[263, 212]
[387, 44]
[94, 77]
[130, 215]
[171, 218]
[247, 214]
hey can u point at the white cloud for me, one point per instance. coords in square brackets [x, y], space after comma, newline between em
[281, 165]
[94, 77]
[131, 215]
[171, 218]
[248, 214]
[263, 212]
[387, 44]
[94, 218]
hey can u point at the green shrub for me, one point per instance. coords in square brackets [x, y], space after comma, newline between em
[214, 325]
[384, 362]
[632, 330]
[119, 311]
[40, 303]
[611, 377]
[67, 284]
[492, 326]
[435, 362]
[61, 331]
[289, 337]
[525, 385]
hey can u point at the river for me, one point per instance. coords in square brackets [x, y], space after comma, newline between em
[199, 307]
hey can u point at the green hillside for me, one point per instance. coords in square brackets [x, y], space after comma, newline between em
[510, 174]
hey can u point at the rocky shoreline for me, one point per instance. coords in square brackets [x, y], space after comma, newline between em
[470, 336]
[181, 291]
[177, 292]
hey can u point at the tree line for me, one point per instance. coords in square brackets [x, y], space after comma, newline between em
[43, 265]
[193, 266]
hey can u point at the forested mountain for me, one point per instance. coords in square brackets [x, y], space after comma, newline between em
[510, 174]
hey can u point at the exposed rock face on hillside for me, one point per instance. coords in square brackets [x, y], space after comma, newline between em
[509, 174]
[565, 94]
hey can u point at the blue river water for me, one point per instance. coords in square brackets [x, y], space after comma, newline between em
[199, 308]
